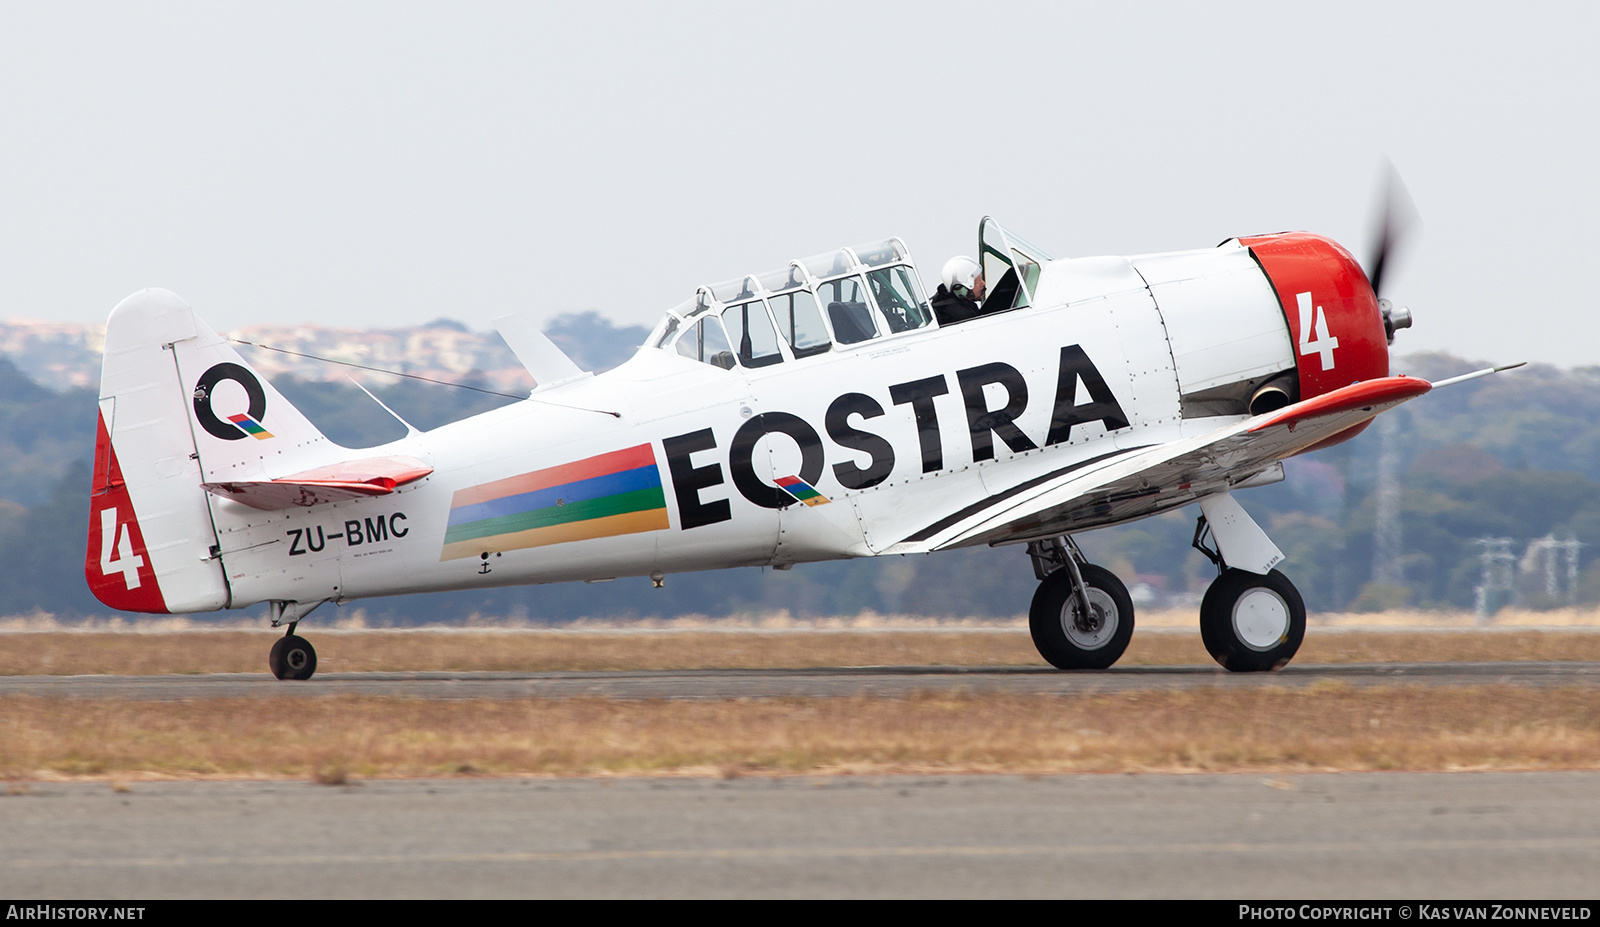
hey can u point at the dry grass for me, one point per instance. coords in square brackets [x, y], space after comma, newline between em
[1445, 646]
[345, 738]
[183, 652]
[341, 739]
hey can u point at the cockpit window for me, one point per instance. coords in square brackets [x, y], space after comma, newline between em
[846, 296]
[800, 321]
[830, 264]
[735, 290]
[1005, 293]
[880, 253]
[899, 295]
[669, 326]
[667, 329]
[1024, 248]
[755, 342]
[1030, 272]
[707, 343]
[789, 278]
[703, 301]
[1011, 265]
[848, 309]
[997, 263]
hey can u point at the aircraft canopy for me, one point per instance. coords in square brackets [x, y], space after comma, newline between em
[836, 299]
[1011, 266]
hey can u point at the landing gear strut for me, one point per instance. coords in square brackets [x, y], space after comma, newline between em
[1082, 615]
[292, 657]
[1250, 622]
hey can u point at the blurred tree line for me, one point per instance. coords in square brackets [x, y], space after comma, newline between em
[1515, 456]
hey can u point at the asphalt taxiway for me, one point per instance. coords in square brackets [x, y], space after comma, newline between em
[887, 681]
[1400, 836]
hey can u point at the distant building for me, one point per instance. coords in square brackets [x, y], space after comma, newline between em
[62, 355]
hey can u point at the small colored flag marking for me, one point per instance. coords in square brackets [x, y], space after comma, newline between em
[597, 497]
[250, 426]
[801, 490]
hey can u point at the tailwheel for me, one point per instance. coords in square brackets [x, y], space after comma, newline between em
[292, 657]
[1252, 623]
[1070, 639]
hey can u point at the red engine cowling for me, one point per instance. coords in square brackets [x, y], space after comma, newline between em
[1331, 311]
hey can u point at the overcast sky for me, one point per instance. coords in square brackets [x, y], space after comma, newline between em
[390, 163]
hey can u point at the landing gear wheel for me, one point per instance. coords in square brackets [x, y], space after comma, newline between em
[1252, 623]
[292, 658]
[1067, 639]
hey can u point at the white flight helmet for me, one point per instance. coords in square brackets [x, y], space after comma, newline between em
[960, 271]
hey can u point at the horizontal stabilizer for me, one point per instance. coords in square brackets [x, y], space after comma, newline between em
[353, 479]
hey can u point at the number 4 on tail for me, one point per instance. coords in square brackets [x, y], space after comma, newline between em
[116, 549]
[1323, 344]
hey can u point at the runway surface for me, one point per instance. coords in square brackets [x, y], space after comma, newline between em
[717, 684]
[1407, 837]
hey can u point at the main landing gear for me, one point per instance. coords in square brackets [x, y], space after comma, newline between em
[1082, 615]
[1250, 622]
[292, 657]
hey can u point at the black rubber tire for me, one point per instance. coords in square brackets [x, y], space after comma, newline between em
[1252, 623]
[1054, 607]
[292, 657]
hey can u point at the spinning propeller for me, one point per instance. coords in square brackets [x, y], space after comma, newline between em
[1396, 220]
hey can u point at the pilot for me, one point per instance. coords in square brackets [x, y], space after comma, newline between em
[960, 295]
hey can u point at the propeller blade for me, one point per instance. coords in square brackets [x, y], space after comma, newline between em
[1375, 265]
[1398, 216]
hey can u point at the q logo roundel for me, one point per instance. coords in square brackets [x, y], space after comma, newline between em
[246, 424]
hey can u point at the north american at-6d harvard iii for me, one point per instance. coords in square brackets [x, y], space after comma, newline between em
[818, 411]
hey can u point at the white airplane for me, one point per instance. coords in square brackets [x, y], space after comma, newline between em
[816, 412]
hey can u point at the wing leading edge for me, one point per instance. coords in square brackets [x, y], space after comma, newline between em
[1143, 481]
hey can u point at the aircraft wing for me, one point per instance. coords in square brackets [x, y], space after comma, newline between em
[353, 479]
[1135, 482]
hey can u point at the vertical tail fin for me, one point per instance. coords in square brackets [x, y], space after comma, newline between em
[178, 407]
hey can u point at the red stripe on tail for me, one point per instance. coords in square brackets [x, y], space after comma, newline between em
[116, 563]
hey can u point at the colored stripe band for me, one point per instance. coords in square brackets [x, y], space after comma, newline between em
[638, 501]
[250, 426]
[558, 496]
[601, 465]
[627, 523]
[609, 494]
[801, 490]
